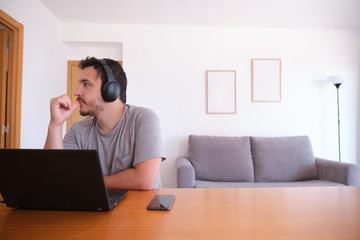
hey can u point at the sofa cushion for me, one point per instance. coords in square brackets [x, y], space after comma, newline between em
[218, 158]
[283, 159]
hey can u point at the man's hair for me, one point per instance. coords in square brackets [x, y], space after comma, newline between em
[116, 68]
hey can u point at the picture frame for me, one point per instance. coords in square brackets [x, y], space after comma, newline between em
[221, 92]
[266, 80]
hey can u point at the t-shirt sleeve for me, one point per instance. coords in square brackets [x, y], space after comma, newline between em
[148, 141]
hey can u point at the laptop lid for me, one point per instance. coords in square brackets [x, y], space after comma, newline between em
[54, 180]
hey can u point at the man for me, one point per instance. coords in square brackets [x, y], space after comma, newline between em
[126, 137]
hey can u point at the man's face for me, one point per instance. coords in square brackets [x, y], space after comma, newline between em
[88, 92]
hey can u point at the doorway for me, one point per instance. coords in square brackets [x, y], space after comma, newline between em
[73, 76]
[11, 54]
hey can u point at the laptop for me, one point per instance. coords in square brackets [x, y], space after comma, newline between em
[51, 179]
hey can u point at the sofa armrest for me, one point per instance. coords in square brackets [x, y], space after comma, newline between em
[345, 173]
[185, 173]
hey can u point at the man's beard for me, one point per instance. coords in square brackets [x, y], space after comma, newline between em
[84, 114]
[92, 104]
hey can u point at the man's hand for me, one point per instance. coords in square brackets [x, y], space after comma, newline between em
[61, 108]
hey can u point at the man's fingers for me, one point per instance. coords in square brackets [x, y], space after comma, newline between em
[61, 108]
[62, 101]
[65, 101]
[75, 105]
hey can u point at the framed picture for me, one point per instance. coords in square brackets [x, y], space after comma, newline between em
[221, 92]
[266, 80]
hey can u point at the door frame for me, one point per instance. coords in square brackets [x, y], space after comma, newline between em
[13, 118]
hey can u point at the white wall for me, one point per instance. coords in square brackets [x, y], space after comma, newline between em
[79, 50]
[44, 67]
[166, 67]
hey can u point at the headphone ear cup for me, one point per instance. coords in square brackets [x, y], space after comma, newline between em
[110, 91]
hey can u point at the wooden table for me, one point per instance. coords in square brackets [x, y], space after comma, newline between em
[321, 213]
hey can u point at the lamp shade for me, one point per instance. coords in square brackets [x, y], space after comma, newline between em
[336, 79]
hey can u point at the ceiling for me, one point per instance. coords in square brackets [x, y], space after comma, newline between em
[328, 14]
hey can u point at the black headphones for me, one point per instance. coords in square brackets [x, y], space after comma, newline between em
[110, 89]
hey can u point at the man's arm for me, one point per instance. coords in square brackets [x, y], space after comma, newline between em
[141, 177]
[60, 109]
[54, 137]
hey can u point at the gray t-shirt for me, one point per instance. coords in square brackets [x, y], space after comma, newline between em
[135, 138]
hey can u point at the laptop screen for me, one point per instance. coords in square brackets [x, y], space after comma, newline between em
[52, 179]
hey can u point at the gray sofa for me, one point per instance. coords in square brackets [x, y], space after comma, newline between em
[219, 161]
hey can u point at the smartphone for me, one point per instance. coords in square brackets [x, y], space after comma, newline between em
[161, 202]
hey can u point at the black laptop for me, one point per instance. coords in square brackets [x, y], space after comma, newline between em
[55, 180]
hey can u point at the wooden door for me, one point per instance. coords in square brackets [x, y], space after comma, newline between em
[3, 85]
[73, 76]
[14, 80]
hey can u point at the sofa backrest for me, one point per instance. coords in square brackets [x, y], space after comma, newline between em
[283, 159]
[217, 158]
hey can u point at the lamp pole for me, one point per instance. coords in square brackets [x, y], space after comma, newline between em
[337, 85]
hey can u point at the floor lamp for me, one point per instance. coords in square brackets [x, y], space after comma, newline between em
[337, 81]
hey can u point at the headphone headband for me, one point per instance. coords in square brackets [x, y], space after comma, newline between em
[107, 69]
